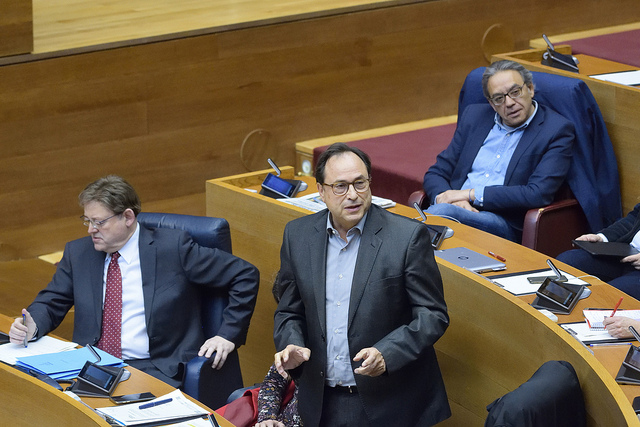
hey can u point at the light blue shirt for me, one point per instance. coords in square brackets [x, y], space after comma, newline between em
[341, 264]
[491, 162]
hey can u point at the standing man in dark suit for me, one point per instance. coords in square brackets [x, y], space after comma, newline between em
[362, 306]
[505, 158]
[157, 274]
[624, 273]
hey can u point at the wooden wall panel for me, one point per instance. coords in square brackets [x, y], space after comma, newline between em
[16, 27]
[170, 114]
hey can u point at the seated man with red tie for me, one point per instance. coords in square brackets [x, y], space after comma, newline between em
[135, 289]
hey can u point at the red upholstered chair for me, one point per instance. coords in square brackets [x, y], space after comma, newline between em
[591, 199]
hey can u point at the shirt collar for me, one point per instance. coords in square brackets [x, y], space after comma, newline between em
[498, 120]
[359, 226]
[128, 251]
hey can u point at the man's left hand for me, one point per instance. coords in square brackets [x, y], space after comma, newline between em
[373, 364]
[633, 260]
[220, 346]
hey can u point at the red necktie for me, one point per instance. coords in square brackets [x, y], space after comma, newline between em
[110, 341]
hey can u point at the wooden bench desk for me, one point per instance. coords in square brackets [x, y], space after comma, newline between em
[495, 340]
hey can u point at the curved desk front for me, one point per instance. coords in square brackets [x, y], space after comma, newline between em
[495, 340]
[27, 401]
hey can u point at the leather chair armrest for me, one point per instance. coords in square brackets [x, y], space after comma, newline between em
[550, 229]
[212, 386]
[418, 197]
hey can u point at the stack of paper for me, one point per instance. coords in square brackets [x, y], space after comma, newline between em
[9, 353]
[595, 317]
[65, 365]
[314, 203]
[172, 407]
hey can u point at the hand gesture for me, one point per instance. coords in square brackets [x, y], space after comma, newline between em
[373, 364]
[291, 357]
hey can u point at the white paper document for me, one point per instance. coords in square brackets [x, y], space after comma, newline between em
[9, 353]
[518, 284]
[171, 406]
[314, 203]
[628, 78]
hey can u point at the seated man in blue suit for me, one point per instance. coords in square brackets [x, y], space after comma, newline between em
[505, 158]
[135, 290]
[624, 273]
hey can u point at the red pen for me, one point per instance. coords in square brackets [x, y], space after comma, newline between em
[493, 254]
[616, 307]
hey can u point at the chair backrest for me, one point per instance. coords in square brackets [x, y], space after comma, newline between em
[208, 232]
[552, 397]
[593, 176]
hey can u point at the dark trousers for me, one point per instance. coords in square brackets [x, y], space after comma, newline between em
[608, 269]
[147, 367]
[342, 409]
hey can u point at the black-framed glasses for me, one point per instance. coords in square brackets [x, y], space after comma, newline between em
[514, 93]
[95, 224]
[340, 188]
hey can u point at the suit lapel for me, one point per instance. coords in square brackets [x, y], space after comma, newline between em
[318, 251]
[96, 274]
[529, 135]
[370, 245]
[148, 269]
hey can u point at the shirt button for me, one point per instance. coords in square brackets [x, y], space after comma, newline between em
[486, 175]
[338, 303]
[336, 331]
[498, 156]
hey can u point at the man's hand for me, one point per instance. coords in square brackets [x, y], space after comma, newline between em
[633, 260]
[291, 357]
[269, 423]
[590, 238]
[18, 331]
[220, 346]
[460, 198]
[618, 326]
[373, 364]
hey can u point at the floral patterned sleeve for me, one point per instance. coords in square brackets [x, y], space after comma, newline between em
[270, 395]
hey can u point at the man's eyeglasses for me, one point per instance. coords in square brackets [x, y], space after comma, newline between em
[514, 93]
[95, 224]
[341, 188]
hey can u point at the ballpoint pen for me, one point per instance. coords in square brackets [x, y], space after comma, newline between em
[495, 255]
[152, 404]
[26, 337]
[616, 307]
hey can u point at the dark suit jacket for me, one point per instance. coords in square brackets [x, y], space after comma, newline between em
[171, 265]
[624, 229]
[397, 306]
[536, 170]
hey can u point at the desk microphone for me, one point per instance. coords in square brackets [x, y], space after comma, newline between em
[448, 232]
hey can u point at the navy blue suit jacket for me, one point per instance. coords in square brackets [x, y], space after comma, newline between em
[396, 305]
[536, 170]
[625, 229]
[173, 267]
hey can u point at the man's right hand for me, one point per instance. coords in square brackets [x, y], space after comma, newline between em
[590, 238]
[18, 331]
[291, 357]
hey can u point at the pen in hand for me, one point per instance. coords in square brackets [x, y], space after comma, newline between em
[26, 336]
[616, 307]
[152, 404]
[493, 254]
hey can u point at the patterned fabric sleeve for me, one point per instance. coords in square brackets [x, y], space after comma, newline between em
[270, 395]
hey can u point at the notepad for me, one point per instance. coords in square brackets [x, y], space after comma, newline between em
[595, 318]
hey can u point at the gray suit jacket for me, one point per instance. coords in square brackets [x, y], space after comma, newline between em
[397, 306]
[171, 265]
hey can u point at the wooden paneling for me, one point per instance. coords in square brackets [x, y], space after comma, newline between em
[169, 114]
[16, 27]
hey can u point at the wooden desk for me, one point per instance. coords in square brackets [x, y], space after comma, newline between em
[619, 106]
[495, 340]
[27, 401]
